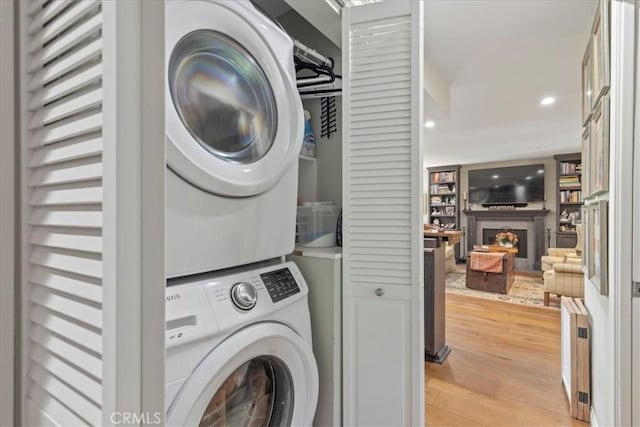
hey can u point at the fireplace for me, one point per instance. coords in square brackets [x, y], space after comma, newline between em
[531, 219]
[489, 238]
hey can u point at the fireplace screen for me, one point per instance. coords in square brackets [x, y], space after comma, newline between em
[489, 238]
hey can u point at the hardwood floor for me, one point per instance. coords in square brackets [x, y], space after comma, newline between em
[503, 370]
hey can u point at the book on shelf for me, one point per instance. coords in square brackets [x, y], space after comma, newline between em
[570, 196]
[437, 177]
[569, 181]
[567, 168]
[443, 188]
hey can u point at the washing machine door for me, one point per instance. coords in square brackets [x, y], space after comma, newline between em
[234, 119]
[263, 375]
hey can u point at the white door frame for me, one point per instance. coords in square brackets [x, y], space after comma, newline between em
[7, 204]
[622, 87]
[134, 205]
[635, 314]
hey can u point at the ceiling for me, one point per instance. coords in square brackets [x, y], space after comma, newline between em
[499, 59]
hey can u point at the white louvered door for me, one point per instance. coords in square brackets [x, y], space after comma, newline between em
[383, 219]
[88, 156]
[8, 194]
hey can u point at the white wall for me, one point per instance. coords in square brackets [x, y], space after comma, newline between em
[611, 315]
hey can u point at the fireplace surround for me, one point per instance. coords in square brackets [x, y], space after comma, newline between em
[504, 217]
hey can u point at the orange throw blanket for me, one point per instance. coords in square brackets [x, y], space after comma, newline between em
[489, 262]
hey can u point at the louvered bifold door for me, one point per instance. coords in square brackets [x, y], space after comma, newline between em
[382, 207]
[64, 210]
[62, 151]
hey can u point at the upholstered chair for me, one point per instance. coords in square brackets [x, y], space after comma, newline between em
[450, 258]
[555, 255]
[565, 278]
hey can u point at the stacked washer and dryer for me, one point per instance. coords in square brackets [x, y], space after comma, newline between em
[238, 328]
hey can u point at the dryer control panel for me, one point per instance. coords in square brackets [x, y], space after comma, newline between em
[280, 284]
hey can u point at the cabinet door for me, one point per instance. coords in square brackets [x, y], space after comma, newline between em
[92, 231]
[380, 362]
[383, 214]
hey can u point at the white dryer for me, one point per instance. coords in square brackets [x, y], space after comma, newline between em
[234, 127]
[239, 349]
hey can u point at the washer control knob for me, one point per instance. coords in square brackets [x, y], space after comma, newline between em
[244, 295]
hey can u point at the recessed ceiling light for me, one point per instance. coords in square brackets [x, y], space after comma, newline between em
[547, 100]
[540, 170]
[429, 124]
[528, 178]
[495, 176]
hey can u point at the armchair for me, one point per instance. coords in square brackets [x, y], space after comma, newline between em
[450, 258]
[565, 278]
[555, 255]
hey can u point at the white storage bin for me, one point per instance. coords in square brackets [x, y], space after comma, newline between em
[317, 224]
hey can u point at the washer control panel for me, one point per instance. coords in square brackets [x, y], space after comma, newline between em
[280, 284]
[211, 303]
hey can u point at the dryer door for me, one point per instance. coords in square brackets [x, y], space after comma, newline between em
[263, 375]
[233, 115]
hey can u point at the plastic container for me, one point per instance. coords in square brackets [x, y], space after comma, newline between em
[317, 224]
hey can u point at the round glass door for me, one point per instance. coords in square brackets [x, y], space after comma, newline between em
[222, 96]
[257, 394]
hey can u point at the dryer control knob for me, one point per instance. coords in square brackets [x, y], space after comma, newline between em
[244, 296]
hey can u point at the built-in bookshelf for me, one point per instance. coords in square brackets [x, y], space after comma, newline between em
[569, 198]
[443, 201]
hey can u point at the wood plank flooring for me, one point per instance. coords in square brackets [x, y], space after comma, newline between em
[503, 370]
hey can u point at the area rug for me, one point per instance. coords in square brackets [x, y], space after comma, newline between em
[526, 290]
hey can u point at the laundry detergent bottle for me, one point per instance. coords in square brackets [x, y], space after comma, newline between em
[309, 141]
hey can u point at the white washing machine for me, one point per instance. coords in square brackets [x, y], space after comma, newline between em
[239, 349]
[234, 127]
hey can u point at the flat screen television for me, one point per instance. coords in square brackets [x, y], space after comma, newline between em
[516, 185]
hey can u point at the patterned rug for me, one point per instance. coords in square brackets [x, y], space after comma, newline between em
[526, 290]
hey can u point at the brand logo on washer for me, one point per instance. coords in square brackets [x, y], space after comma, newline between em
[173, 297]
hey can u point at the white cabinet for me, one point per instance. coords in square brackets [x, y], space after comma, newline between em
[322, 269]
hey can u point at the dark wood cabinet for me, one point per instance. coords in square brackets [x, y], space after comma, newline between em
[435, 348]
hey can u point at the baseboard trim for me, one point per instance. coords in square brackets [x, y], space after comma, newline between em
[593, 420]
